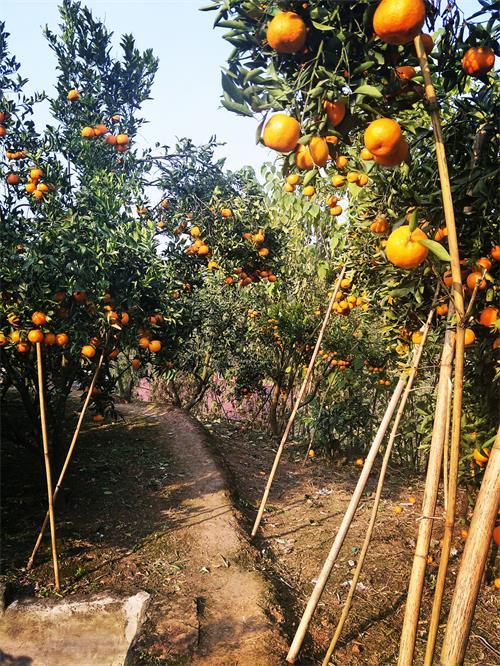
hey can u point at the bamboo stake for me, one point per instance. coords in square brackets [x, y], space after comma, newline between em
[446, 445]
[296, 406]
[378, 493]
[409, 631]
[67, 460]
[345, 524]
[48, 474]
[471, 570]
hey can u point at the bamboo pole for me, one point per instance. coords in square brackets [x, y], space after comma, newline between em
[67, 460]
[48, 474]
[446, 446]
[345, 524]
[471, 570]
[378, 493]
[410, 622]
[296, 406]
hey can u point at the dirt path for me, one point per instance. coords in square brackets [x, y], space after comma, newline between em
[229, 593]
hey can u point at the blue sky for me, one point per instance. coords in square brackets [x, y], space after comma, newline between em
[187, 87]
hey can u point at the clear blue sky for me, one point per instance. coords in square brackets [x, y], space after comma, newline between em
[187, 88]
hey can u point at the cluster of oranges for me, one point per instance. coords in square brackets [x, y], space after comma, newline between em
[119, 141]
[380, 225]
[257, 238]
[34, 185]
[148, 342]
[198, 246]
[377, 370]
[245, 279]
[22, 340]
[15, 154]
[329, 357]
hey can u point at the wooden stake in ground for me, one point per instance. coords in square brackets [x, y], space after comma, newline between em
[345, 524]
[471, 570]
[378, 493]
[67, 460]
[297, 404]
[412, 611]
[45, 442]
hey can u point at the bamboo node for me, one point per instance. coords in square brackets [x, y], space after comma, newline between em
[428, 518]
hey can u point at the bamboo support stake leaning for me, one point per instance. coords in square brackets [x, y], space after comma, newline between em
[345, 524]
[412, 611]
[471, 570]
[45, 442]
[66, 461]
[297, 403]
[378, 493]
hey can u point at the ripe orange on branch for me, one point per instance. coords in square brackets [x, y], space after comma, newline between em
[286, 33]
[335, 111]
[403, 248]
[73, 95]
[383, 136]
[399, 21]
[281, 133]
[396, 157]
[478, 60]
[488, 316]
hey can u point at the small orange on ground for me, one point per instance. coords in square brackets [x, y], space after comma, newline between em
[311, 453]
[286, 33]
[122, 139]
[293, 179]
[335, 111]
[359, 462]
[382, 136]
[398, 509]
[62, 339]
[476, 280]
[399, 21]
[73, 95]
[412, 500]
[50, 339]
[35, 335]
[226, 212]
[488, 316]
[470, 337]
[154, 346]
[39, 318]
[496, 583]
[88, 351]
[403, 248]
[308, 191]
[87, 132]
[464, 534]
[478, 60]
[281, 133]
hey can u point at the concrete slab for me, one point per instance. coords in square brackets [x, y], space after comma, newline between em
[96, 631]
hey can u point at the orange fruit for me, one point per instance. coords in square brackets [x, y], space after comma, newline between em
[353, 177]
[394, 158]
[12, 179]
[73, 95]
[366, 155]
[39, 318]
[42, 187]
[286, 33]
[406, 72]
[293, 179]
[23, 347]
[229, 280]
[30, 187]
[303, 158]
[318, 149]
[263, 252]
[478, 60]
[203, 250]
[336, 211]
[111, 139]
[154, 346]
[144, 342]
[483, 264]
[382, 136]
[288, 188]
[3, 339]
[3, 131]
[496, 535]
[36, 173]
[38, 194]
[441, 233]
[341, 162]
[195, 232]
[481, 456]
[35, 335]
[335, 111]
[125, 318]
[398, 21]
[488, 316]
[427, 42]
[136, 363]
[338, 180]
[495, 344]
[442, 309]
[470, 337]
[281, 133]
[476, 280]
[98, 418]
[226, 212]
[311, 453]
[495, 252]
[80, 296]
[99, 130]
[88, 351]
[50, 339]
[122, 140]
[62, 339]
[404, 250]
[87, 132]
[308, 191]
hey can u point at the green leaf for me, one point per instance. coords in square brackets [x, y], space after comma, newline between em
[310, 175]
[322, 26]
[240, 109]
[369, 91]
[437, 249]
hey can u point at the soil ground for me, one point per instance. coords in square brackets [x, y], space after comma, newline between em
[147, 507]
